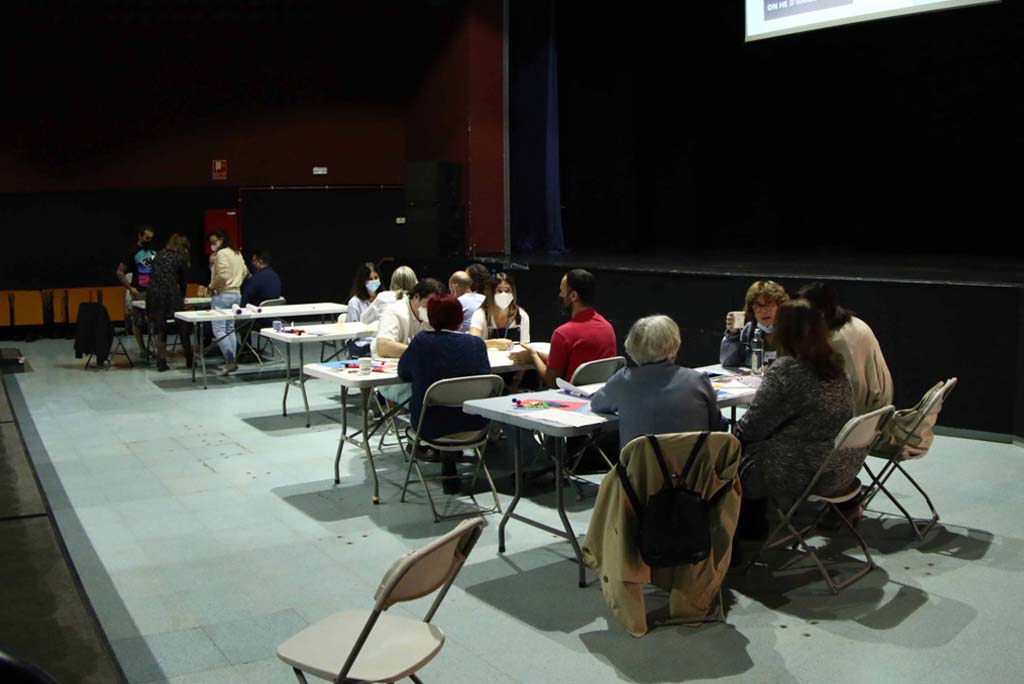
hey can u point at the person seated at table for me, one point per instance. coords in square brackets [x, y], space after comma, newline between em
[400, 322]
[438, 354]
[461, 285]
[857, 344]
[165, 295]
[263, 283]
[658, 397]
[365, 284]
[793, 420]
[501, 322]
[402, 280]
[763, 300]
[587, 337]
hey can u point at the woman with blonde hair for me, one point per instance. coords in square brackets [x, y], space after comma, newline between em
[762, 304]
[166, 295]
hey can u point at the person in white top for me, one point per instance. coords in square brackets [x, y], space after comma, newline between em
[854, 340]
[225, 288]
[365, 284]
[402, 320]
[402, 280]
[501, 322]
[399, 323]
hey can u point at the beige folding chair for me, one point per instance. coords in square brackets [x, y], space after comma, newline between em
[898, 452]
[376, 646]
[858, 434]
[452, 393]
[591, 373]
[244, 332]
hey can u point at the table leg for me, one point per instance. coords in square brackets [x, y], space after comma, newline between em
[365, 392]
[518, 461]
[559, 448]
[195, 351]
[287, 378]
[302, 380]
[344, 434]
[202, 361]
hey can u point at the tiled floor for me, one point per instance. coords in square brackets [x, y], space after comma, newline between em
[207, 529]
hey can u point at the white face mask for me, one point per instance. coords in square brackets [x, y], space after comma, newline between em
[503, 300]
[422, 314]
[372, 285]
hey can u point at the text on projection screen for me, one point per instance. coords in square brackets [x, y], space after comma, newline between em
[766, 18]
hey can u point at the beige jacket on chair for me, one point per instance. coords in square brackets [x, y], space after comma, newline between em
[610, 548]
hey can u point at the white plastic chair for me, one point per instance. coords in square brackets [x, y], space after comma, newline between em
[452, 393]
[858, 434]
[375, 646]
[897, 454]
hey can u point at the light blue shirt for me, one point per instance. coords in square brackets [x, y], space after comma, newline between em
[658, 399]
[471, 301]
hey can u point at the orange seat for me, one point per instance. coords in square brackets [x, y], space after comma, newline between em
[76, 296]
[192, 289]
[113, 298]
[28, 307]
[5, 308]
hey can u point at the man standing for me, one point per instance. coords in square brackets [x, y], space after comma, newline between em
[587, 337]
[133, 272]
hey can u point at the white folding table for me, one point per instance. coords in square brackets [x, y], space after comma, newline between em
[286, 312]
[190, 302]
[503, 410]
[352, 379]
[311, 334]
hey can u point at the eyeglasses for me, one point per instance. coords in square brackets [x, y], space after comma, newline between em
[764, 305]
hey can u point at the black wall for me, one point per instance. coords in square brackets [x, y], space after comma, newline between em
[899, 135]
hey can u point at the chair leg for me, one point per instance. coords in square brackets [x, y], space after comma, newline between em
[408, 471]
[415, 679]
[869, 563]
[490, 480]
[299, 675]
[430, 498]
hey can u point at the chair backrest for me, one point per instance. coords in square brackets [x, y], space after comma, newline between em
[593, 372]
[192, 289]
[114, 299]
[909, 434]
[28, 307]
[5, 308]
[429, 568]
[860, 431]
[276, 301]
[454, 391]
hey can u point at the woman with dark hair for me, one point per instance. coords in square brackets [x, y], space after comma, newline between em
[166, 295]
[228, 274]
[802, 404]
[854, 340]
[440, 354]
[365, 284]
[501, 322]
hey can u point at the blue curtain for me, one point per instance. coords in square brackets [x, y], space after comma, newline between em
[534, 169]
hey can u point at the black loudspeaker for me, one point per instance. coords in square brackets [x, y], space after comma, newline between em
[434, 211]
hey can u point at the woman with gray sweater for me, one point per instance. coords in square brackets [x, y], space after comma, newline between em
[658, 397]
[790, 427]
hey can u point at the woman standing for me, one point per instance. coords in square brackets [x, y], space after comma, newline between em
[166, 295]
[229, 272]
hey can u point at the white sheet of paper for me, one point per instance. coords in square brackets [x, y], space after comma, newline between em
[572, 389]
[562, 417]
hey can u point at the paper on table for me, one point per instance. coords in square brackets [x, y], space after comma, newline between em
[572, 389]
[568, 418]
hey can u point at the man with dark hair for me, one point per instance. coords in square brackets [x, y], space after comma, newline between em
[264, 283]
[133, 272]
[587, 337]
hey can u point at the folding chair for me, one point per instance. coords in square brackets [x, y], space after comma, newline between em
[452, 393]
[858, 434]
[376, 646]
[591, 373]
[899, 452]
[245, 331]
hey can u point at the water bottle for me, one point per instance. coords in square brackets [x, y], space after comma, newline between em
[757, 353]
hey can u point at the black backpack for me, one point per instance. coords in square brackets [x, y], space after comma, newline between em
[675, 525]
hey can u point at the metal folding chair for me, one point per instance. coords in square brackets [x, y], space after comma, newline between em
[452, 393]
[245, 332]
[591, 373]
[900, 452]
[377, 646]
[858, 434]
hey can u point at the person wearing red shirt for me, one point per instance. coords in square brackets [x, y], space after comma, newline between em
[587, 337]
